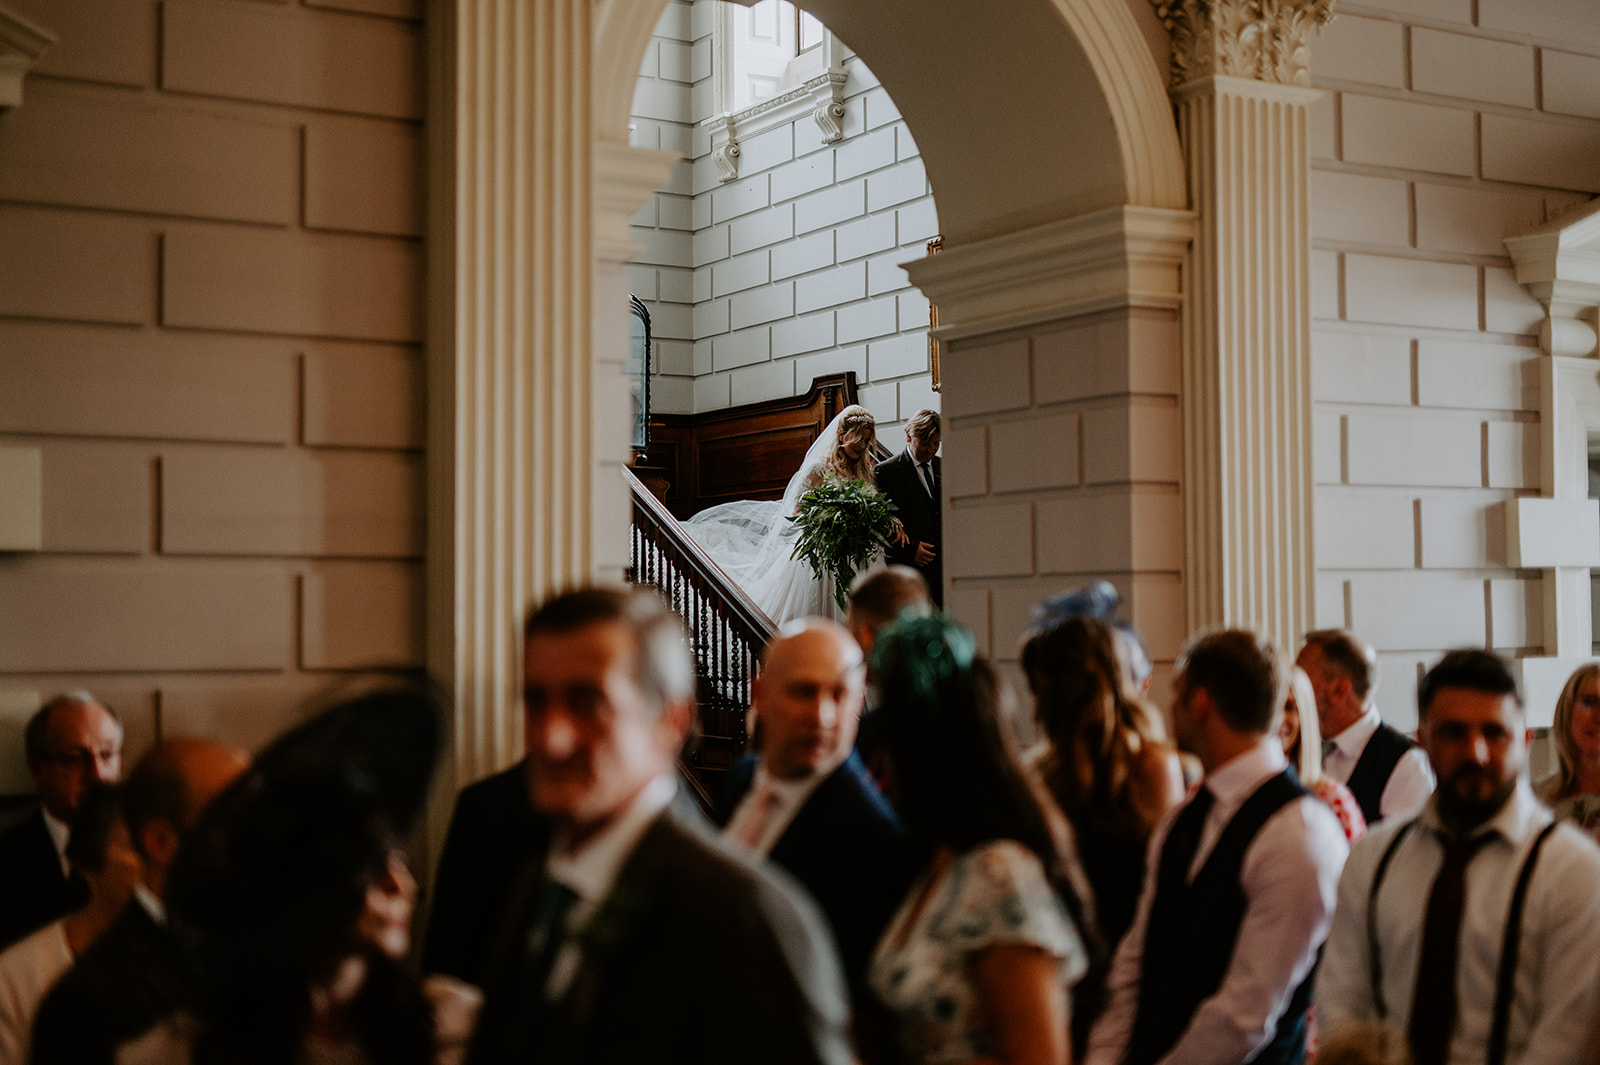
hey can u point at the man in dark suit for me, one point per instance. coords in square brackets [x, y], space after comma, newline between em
[913, 480]
[135, 975]
[638, 922]
[807, 803]
[492, 832]
[72, 742]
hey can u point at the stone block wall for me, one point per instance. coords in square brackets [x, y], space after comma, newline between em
[210, 326]
[1068, 435]
[791, 270]
[1447, 126]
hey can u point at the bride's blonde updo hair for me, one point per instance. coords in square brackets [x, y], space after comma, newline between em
[855, 420]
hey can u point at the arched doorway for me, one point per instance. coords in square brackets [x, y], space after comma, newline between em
[1051, 147]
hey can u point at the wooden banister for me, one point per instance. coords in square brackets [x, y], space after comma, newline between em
[726, 628]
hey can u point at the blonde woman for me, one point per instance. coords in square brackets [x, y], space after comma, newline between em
[753, 540]
[1302, 743]
[1573, 791]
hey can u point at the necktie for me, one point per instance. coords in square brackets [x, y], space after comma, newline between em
[927, 478]
[1184, 839]
[754, 824]
[546, 935]
[1433, 1005]
[1328, 747]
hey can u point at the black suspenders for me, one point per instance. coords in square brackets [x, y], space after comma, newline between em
[1505, 978]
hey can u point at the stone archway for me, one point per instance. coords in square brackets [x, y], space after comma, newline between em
[1065, 239]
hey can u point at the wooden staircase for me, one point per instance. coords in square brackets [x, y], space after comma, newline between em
[727, 631]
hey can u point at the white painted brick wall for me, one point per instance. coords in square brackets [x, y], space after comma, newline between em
[796, 262]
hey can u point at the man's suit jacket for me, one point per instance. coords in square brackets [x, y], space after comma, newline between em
[899, 479]
[33, 890]
[846, 847]
[132, 977]
[696, 957]
[493, 831]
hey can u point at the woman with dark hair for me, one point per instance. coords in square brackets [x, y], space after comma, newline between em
[1106, 762]
[1573, 791]
[978, 963]
[294, 900]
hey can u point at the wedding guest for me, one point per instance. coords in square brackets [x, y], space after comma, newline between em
[1240, 884]
[979, 962]
[1105, 762]
[72, 742]
[101, 851]
[137, 973]
[1385, 769]
[1302, 745]
[1573, 790]
[1474, 926]
[294, 900]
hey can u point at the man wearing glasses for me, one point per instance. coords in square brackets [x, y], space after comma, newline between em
[72, 742]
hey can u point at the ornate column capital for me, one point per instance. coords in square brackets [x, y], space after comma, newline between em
[1263, 40]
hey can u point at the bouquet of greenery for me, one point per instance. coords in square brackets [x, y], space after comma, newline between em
[842, 525]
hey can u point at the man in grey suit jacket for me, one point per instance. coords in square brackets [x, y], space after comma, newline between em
[914, 481]
[639, 935]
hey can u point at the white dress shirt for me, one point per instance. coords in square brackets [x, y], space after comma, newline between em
[1289, 876]
[29, 968]
[786, 798]
[59, 831]
[1407, 788]
[1555, 997]
[592, 869]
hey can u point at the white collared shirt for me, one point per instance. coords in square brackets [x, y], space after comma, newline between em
[592, 869]
[1408, 786]
[1289, 876]
[788, 797]
[60, 832]
[1555, 987]
[151, 905]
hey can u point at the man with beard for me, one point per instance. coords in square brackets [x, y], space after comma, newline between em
[1473, 927]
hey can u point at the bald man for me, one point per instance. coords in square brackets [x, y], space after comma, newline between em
[134, 975]
[72, 742]
[806, 803]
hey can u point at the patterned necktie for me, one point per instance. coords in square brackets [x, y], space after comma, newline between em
[1433, 1005]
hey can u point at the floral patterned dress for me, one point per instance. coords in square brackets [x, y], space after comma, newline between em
[994, 895]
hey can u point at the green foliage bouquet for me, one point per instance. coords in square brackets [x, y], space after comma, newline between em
[842, 525]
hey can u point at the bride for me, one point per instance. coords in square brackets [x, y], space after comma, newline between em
[753, 540]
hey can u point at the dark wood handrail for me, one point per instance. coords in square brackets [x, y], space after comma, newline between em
[726, 627]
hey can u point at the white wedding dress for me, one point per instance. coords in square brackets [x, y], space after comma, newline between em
[752, 540]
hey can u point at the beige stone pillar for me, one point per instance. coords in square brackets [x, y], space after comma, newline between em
[527, 333]
[1239, 77]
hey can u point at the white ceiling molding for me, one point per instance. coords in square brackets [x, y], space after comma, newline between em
[1559, 532]
[21, 43]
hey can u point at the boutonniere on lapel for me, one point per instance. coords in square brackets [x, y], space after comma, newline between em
[611, 926]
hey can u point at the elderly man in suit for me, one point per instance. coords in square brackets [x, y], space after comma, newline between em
[73, 741]
[806, 802]
[913, 480]
[638, 918]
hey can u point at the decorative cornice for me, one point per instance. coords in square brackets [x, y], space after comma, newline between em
[1263, 40]
[1559, 263]
[21, 43]
[1116, 257]
[822, 97]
